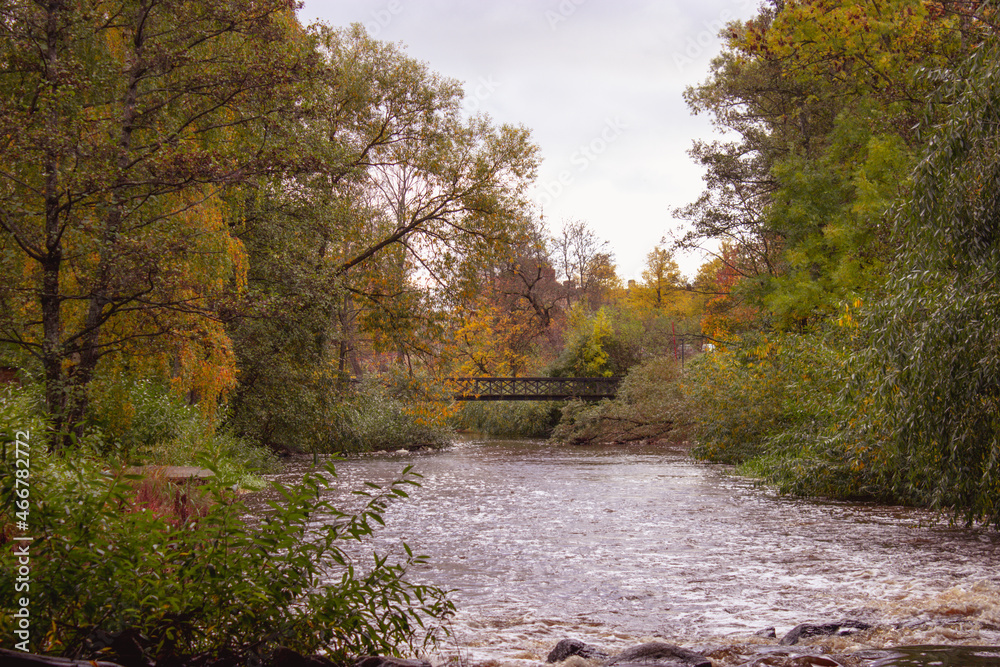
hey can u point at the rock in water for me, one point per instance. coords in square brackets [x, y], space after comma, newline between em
[804, 630]
[567, 647]
[381, 661]
[660, 655]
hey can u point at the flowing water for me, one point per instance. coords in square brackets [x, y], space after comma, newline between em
[620, 545]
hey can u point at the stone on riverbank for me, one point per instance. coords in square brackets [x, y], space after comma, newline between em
[177, 474]
[569, 647]
[659, 654]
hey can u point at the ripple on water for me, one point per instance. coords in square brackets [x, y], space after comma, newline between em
[620, 545]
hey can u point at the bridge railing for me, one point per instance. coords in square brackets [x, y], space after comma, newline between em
[533, 388]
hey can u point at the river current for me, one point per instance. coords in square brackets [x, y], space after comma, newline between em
[620, 545]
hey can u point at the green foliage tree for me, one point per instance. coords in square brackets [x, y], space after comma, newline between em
[823, 97]
[832, 214]
[934, 357]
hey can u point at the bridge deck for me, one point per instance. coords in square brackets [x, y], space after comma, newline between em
[534, 389]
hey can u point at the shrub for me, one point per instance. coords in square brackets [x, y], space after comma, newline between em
[143, 422]
[137, 414]
[20, 410]
[746, 393]
[527, 419]
[649, 406]
[369, 418]
[777, 407]
[115, 576]
[235, 460]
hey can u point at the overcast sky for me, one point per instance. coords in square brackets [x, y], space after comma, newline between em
[598, 82]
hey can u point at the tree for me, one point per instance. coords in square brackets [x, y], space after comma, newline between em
[585, 261]
[124, 123]
[527, 307]
[363, 246]
[933, 397]
[823, 97]
[661, 281]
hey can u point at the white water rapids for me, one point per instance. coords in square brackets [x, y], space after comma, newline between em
[620, 545]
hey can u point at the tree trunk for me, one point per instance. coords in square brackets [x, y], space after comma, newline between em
[101, 295]
[51, 257]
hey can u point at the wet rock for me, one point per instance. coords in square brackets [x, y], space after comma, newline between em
[766, 633]
[794, 661]
[660, 655]
[780, 656]
[804, 630]
[380, 661]
[20, 659]
[567, 647]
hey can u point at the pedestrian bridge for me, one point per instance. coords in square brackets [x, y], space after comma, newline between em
[534, 389]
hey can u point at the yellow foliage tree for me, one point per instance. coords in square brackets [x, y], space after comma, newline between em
[122, 140]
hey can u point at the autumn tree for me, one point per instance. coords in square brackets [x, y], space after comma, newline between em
[661, 284]
[585, 261]
[510, 313]
[124, 123]
[823, 97]
[394, 195]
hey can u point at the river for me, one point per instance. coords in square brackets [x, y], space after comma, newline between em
[620, 545]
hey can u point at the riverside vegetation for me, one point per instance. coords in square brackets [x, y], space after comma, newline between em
[226, 236]
[142, 571]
